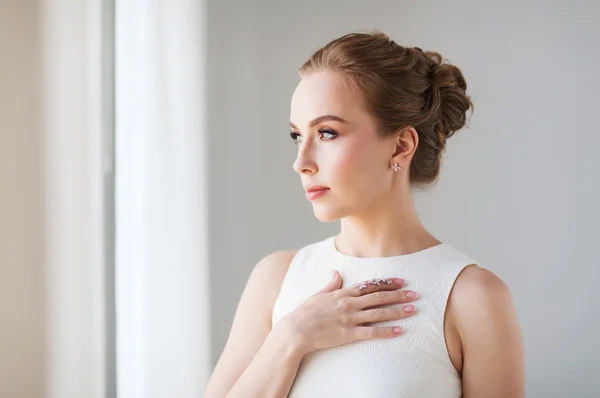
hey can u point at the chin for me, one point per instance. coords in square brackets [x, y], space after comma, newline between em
[326, 213]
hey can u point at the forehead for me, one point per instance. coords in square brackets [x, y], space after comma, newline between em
[325, 92]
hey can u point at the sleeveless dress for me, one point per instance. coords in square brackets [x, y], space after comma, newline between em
[415, 364]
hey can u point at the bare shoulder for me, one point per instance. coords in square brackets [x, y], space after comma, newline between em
[477, 295]
[277, 262]
[483, 313]
[477, 283]
[269, 272]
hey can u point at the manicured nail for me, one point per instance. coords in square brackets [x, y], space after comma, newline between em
[410, 294]
[399, 281]
[409, 308]
[397, 330]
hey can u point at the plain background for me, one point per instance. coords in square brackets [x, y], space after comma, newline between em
[520, 187]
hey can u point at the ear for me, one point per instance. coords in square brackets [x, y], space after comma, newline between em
[406, 145]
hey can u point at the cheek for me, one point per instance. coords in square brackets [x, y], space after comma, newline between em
[344, 163]
[355, 164]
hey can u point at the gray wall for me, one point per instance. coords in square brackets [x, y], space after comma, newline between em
[22, 335]
[519, 190]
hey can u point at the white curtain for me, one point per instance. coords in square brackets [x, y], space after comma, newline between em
[75, 169]
[161, 204]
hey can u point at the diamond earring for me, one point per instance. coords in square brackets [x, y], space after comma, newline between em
[396, 166]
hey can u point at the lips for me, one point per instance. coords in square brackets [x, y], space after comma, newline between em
[314, 188]
[315, 191]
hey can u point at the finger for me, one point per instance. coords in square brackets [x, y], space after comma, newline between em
[384, 297]
[376, 332]
[334, 283]
[374, 285]
[383, 314]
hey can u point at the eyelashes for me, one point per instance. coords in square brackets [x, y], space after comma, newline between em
[326, 135]
[294, 137]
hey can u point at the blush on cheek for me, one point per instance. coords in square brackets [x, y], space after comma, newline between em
[348, 157]
[342, 168]
[345, 173]
[362, 172]
[345, 163]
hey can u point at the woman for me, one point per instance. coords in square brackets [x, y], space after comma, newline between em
[404, 315]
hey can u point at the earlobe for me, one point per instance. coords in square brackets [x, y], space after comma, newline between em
[399, 149]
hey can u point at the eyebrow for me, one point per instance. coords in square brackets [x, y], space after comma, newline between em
[322, 119]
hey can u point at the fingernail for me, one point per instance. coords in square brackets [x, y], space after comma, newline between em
[397, 330]
[399, 281]
[409, 308]
[411, 294]
[333, 274]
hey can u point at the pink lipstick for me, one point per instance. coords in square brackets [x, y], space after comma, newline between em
[315, 191]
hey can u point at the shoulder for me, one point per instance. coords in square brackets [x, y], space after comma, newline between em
[478, 295]
[478, 288]
[268, 274]
[274, 264]
[475, 281]
[485, 320]
[482, 309]
[272, 268]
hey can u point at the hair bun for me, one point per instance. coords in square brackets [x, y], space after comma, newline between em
[448, 81]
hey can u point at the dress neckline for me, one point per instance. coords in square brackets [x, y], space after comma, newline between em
[398, 257]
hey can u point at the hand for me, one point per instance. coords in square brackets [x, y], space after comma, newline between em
[335, 316]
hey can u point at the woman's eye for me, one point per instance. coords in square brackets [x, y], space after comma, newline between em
[295, 136]
[327, 134]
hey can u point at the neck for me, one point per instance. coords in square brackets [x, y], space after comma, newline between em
[391, 228]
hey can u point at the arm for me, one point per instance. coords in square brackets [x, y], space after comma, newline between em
[257, 361]
[273, 369]
[492, 348]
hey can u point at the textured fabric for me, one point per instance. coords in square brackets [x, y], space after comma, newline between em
[415, 364]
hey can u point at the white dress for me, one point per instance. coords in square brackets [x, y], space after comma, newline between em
[415, 364]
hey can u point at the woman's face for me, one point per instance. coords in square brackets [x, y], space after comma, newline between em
[339, 147]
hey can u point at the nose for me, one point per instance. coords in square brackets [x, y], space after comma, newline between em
[305, 163]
